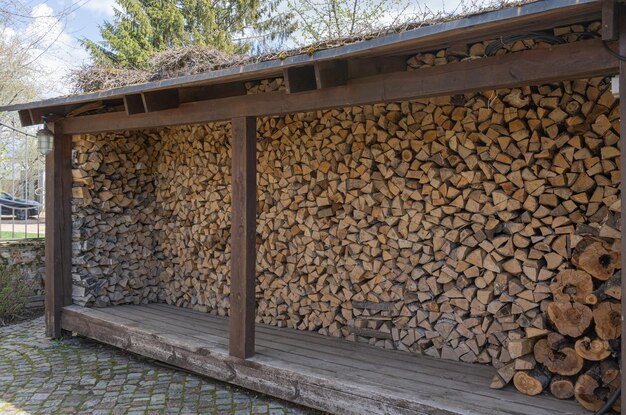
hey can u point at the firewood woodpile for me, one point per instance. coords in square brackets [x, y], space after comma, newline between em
[576, 355]
[480, 227]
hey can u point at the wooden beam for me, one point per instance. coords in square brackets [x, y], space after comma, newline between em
[609, 20]
[583, 59]
[331, 73]
[364, 67]
[133, 104]
[622, 93]
[205, 92]
[25, 118]
[299, 79]
[160, 100]
[243, 238]
[58, 258]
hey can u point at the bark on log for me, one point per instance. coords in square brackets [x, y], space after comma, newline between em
[532, 382]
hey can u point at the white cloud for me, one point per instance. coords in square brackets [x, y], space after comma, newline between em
[104, 7]
[54, 52]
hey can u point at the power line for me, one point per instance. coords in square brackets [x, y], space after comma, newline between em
[17, 131]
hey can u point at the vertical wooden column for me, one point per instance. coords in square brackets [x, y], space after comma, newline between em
[58, 279]
[243, 235]
[622, 141]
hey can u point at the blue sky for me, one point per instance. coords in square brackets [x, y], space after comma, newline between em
[63, 55]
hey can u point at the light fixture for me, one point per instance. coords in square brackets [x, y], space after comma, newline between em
[45, 139]
[615, 86]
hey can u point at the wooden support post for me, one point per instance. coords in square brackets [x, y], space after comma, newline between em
[622, 94]
[609, 20]
[243, 238]
[58, 280]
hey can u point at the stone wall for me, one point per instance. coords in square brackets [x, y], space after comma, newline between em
[27, 256]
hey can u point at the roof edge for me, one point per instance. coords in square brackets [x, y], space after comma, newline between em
[339, 52]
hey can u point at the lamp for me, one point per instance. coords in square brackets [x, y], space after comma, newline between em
[45, 139]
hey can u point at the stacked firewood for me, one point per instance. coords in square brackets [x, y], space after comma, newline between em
[458, 227]
[265, 85]
[435, 226]
[494, 47]
[113, 259]
[192, 180]
[576, 355]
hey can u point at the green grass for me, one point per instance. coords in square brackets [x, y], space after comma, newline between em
[18, 235]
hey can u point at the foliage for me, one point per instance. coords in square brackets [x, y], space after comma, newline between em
[142, 28]
[324, 20]
[13, 293]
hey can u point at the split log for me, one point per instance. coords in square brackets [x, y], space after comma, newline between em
[612, 288]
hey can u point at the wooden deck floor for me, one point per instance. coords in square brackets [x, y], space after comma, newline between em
[325, 373]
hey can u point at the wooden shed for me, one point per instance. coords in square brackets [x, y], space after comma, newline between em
[389, 226]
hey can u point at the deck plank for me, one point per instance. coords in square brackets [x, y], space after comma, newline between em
[325, 373]
[407, 380]
[365, 351]
[277, 338]
[406, 377]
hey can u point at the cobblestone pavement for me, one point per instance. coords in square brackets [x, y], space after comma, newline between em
[77, 376]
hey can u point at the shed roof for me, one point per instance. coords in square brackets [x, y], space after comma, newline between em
[532, 16]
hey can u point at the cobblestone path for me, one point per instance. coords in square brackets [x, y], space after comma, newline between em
[77, 376]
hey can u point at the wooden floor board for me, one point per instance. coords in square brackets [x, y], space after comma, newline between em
[407, 377]
[327, 373]
[408, 389]
[294, 345]
[365, 351]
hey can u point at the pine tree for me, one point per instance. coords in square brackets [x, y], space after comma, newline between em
[141, 28]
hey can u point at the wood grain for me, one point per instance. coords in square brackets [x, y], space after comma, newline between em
[323, 373]
[243, 234]
[58, 279]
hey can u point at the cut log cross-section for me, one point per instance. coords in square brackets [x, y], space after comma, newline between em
[593, 349]
[572, 285]
[593, 256]
[558, 356]
[562, 387]
[608, 320]
[594, 387]
[570, 319]
[532, 382]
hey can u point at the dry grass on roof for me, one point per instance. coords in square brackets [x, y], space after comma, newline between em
[192, 60]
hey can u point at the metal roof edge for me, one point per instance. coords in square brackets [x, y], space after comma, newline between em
[325, 54]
